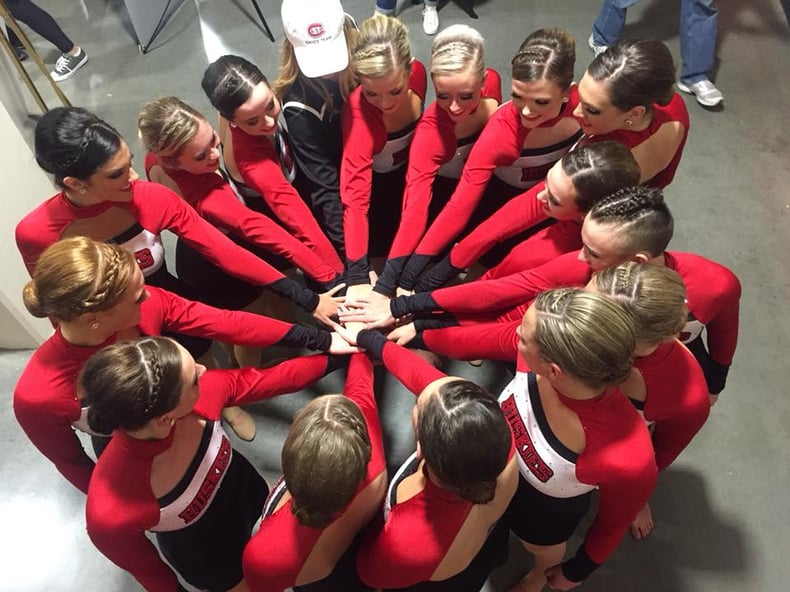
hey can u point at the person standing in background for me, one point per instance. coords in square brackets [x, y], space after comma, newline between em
[698, 19]
[72, 57]
[430, 13]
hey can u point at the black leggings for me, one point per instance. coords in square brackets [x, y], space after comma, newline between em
[38, 20]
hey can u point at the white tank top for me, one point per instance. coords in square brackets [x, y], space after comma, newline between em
[196, 497]
[543, 461]
[534, 163]
[395, 153]
[453, 168]
[146, 246]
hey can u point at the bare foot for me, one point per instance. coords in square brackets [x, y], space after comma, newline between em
[532, 582]
[642, 524]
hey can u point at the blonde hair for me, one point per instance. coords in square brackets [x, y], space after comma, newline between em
[78, 275]
[456, 49]
[324, 458]
[589, 336]
[166, 124]
[290, 72]
[655, 297]
[381, 47]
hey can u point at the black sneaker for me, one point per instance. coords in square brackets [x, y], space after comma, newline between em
[20, 52]
[68, 64]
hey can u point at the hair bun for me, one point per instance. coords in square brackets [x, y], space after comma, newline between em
[31, 300]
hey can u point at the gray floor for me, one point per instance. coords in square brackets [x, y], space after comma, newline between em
[721, 509]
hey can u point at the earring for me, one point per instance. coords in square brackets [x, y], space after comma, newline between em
[629, 123]
[564, 99]
[94, 325]
[172, 422]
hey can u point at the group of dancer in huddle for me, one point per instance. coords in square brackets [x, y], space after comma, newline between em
[554, 197]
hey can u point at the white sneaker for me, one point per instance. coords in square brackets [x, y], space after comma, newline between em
[430, 20]
[68, 64]
[597, 49]
[704, 90]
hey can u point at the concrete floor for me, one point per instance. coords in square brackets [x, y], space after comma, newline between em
[721, 509]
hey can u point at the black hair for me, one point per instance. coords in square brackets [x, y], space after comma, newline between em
[228, 83]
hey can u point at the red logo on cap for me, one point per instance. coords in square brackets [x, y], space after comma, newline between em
[315, 30]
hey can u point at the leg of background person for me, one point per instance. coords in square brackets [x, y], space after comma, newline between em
[610, 22]
[386, 7]
[698, 23]
[430, 17]
[41, 22]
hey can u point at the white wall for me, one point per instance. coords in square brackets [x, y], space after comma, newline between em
[24, 187]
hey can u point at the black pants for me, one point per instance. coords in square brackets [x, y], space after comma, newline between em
[40, 21]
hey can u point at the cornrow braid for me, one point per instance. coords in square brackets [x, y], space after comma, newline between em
[154, 373]
[642, 219]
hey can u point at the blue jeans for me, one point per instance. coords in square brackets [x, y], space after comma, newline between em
[388, 6]
[697, 33]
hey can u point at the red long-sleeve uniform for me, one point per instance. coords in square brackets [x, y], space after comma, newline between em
[214, 199]
[677, 399]
[364, 135]
[121, 506]
[617, 459]
[500, 144]
[713, 294]
[259, 165]
[409, 546]
[45, 397]
[277, 553]
[674, 111]
[155, 208]
[434, 144]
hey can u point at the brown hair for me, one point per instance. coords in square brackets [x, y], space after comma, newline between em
[324, 458]
[129, 383]
[166, 125]
[655, 297]
[464, 439]
[587, 335]
[641, 217]
[636, 73]
[78, 275]
[547, 53]
[599, 169]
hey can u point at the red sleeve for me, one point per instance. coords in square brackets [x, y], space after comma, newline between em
[364, 135]
[221, 207]
[519, 214]
[259, 166]
[409, 368]
[38, 230]
[359, 388]
[497, 294]
[433, 144]
[157, 208]
[499, 144]
[180, 315]
[418, 79]
[677, 401]
[492, 86]
[485, 341]
[226, 388]
[45, 412]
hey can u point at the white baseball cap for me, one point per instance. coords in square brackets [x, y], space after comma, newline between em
[315, 28]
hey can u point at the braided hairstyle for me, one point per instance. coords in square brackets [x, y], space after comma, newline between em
[589, 336]
[228, 83]
[636, 73]
[456, 49]
[599, 169]
[127, 384]
[655, 296]
[78, 275]
[73, 142]
[641, 218]
[324, 458]
[381, 47]
[458, 414]
[166, 125]
[546, 54]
